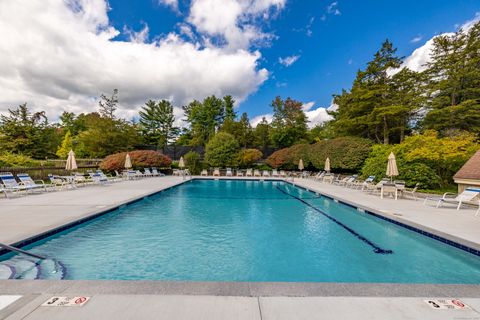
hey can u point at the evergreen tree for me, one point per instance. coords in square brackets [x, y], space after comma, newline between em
[204, 118]
[157, 123]
[454, 82]
[230, 113]
[28, 133]
[366, 110]
[262, 135]
[108, 105]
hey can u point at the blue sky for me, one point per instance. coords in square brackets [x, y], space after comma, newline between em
[71, 51]
[332, 44]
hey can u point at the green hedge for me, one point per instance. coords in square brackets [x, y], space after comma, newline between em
[345, 153]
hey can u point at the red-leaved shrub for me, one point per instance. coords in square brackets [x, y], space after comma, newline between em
[140, 159]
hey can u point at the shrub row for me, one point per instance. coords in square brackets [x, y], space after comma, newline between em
[345, 153]
[140, 159]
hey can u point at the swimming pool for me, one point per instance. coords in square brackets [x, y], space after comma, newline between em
[238, 230]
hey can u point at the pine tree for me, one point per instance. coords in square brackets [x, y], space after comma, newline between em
[229, 103]
[454, 82]
[108, 105]
[157, 123]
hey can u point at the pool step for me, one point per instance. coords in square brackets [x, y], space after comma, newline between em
[23, 268]
[6, 272]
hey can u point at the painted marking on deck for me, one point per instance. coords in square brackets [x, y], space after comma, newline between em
[446, 304]
[5, 301]
[66, 302]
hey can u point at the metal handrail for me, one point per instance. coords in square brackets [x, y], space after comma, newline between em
[10, 248]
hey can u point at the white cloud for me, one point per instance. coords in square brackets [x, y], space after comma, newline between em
[416, 39]
[233, 20]
[288, 61]
[256, 120]
[139, 36]
[332, 8]
[170, 3]
[315, 116]
[62, 57]
[421, 56]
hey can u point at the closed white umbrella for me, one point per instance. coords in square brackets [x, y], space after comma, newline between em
[392, 170]
[128, 162]
[181, 163]
[300, 165]
[327, 165]
[71, 162]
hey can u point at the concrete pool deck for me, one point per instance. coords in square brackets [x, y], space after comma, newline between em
[460, 226]
[24, 217]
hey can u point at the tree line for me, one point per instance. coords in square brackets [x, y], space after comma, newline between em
[385, 104]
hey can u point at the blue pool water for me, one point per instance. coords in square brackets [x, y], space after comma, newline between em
[226, 230]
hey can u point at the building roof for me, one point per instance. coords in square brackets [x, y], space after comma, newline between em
[471, 169]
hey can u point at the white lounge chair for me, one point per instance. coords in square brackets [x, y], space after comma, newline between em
[412, 192]
[319, 175]
[97, 178]
[468, 196]
[239, 173]
[147, 172]
[249, 173]
[157, 173]
[229, 172]
[364, 184]
[275, 173]
[266, 173]
[216, 172]
[10, 184]
[282, 173]
[27, 181]
[204, 173]
[351, 181]
[57, 182]
[256, 173]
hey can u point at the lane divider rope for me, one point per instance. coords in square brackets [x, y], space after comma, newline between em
[375, 247]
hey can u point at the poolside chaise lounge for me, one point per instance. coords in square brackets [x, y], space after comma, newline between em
[204, 173]
[147, 172]
[27, 181]
[283, 174]
[362, 185]
[319, 175]
[275, 173]
[468, 196]
[256, 173]
[97, 178]
[157, 173]
[57, 182]
[249, 173]
[266, 173]
[10, 184]
[351, 181]
[216, 172]
[412, 192]
[229, 172]
[374, 188]
[239, 173]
